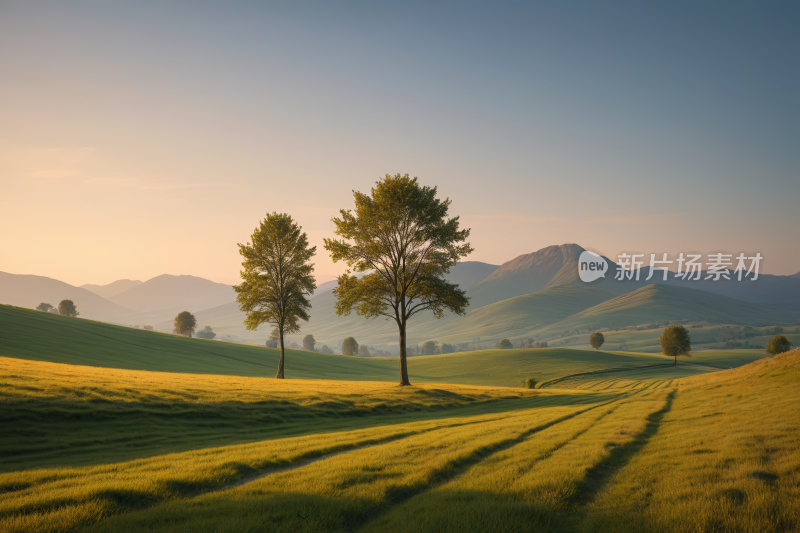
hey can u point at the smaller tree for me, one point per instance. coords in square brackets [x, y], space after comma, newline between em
[349, 346]
[44, 307]
[778, 344]
[363, 351]
[429, 348]
[206, 333]
[274, 338]
[596, 340]
[148, 327]
[530, 383]
[675, 341]
[185, 323]
[447, 348]
[325, 349]
[67, 308]
[504, 344]
[308, 342]
[294, 346]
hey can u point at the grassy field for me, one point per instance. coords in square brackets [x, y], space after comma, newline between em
[714, 452]
[615, 441]
[33, 335]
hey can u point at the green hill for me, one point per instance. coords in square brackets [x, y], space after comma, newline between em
[33, 335]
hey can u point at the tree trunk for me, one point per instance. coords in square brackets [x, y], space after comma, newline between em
[403, 363]
[279, 375]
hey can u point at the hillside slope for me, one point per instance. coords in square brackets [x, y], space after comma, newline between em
[29, 291]
[112, 289]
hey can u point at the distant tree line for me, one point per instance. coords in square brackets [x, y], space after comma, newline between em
[65, 308]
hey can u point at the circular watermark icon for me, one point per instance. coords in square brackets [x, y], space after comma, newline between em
[591, 266]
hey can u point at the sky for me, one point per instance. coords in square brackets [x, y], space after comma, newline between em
[150, 137]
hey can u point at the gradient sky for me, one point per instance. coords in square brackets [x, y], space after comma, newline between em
[142, 138]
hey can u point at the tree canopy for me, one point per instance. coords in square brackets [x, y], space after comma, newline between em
[675, 341]
[44, 307]
[185, 323]
[596, 340]
[401, 240]
[505, 344]
[277, 278]
[349, 346]
[206, 333]
[67, 308]
[778, 344]
[308, 342]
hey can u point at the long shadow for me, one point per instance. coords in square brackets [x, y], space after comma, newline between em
[599, 476]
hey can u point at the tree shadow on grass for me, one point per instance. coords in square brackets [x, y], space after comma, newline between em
[599, 476]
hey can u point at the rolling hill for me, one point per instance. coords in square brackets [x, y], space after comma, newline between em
[29, 291]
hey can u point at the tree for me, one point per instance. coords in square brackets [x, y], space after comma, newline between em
[505, 344]
[206, 333]
[778, 344]
[596, 340]
[273, 339]
[530, 383]
[447, 348]
[401, 238]
[349, 346]
[44, 307]
[675, 341]
[429, 348]
[185, 323]
[325, 349]
[67, 308]
[363, 351]
[147, 327]
[309, 342]
[277, 277]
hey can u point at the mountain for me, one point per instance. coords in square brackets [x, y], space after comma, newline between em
[29, 291]
[767, 289]
[167, 292]
[112, 289]
[548, 267]
[655, 303]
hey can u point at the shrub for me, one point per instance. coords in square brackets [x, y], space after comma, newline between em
[530, 383]
[778, 344]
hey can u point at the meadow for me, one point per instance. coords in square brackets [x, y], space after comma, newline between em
[613, 442]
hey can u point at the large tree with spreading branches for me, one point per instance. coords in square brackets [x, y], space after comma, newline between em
[401, 242]
[277, 277]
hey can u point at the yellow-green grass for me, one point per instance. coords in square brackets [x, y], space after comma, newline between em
[716, 452]
[66, 414]
[33, 335]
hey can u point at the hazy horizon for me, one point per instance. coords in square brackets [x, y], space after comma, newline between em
[150, 138]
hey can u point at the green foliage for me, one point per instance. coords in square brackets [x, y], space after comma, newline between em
[325, 349]
[67, 308]
[429, 348]
[363, 351]
[349, 346]
[447, 348]
[277, 277]
[675, 341]
[505, 344]
[596, 340]
[530, 383]
[308, 342]
[778, 344]
[206, 333]
[273, 339]
[403, 242]
[44, 307]
[185, 323]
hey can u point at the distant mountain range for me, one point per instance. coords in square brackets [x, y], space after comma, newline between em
[537, 294]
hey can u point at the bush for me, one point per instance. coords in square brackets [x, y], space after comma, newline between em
[504, 344]
[530, 383]
[778, 344]
[148, 328]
